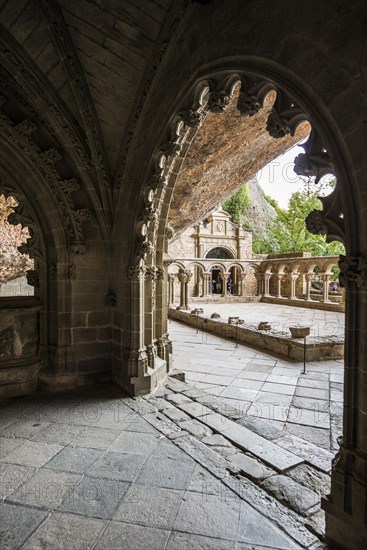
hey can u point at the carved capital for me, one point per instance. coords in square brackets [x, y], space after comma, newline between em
[184, 275]
[218, 102]
[353, 270]
[136, 272]
[150, 273]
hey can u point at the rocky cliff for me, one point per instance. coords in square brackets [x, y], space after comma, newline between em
[259, 212]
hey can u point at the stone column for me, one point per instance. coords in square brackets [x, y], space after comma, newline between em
[325, 286]
[241, 283]
[260, 283]
[224, 284]
[267, 277]
[279, 285]
[346, 506]
[184, 277]
[206, 280]
[309, 277]
[293, 277]
[171, 290]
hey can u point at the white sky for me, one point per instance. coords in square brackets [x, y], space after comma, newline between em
[278, 179]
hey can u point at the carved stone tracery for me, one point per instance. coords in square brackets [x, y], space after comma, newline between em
[45, 163]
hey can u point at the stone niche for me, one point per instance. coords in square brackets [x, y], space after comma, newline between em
[19, 345]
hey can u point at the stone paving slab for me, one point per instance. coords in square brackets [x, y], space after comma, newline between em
[150, 506]
[17, 524]
[11, 477]
[135, 537]
[59, 529]
[32, 453]
[292, 493]
[45, 489]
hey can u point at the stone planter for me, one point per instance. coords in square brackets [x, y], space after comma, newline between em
[299, 332]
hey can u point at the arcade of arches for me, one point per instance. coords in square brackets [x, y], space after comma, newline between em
[115, 118]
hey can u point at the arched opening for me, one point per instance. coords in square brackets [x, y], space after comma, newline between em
[219, 253]
[280, 123]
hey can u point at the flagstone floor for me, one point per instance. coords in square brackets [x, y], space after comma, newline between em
[263, 385]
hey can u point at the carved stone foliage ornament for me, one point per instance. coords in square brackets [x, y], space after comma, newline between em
[315, 223]
[192, 118]
[45, 163]
[252, 95]
[218, 101]
[284, 117]
[353, 270]
[136, 272]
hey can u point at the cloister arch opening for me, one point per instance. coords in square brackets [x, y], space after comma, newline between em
[322, 155]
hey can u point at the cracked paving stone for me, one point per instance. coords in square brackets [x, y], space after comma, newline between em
[314, 455]
[261, 427]
[162, 423]
[205, 456]
[296, 496]
[216, 440]
[251, 467]
[178, 399]
[274, 510]
[195, 428]
[187, 541]
[313, 479]
[316, 524]
[258, 530]
[176, 415]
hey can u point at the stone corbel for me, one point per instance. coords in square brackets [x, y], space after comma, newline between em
[284, 117]
[252, 95]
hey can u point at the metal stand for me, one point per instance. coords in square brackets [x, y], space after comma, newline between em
[304, 355]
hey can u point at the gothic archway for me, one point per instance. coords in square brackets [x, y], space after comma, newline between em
[324, 153]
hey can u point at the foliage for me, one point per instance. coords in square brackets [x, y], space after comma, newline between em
[237, 204]
[288, 233]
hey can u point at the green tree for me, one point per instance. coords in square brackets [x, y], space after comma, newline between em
[237, 204]
[288, 232]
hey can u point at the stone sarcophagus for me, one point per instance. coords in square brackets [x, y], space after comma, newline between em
[19, 345]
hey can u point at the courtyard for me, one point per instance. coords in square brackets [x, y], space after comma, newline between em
[264, 385]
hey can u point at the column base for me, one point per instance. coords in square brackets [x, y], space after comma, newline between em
[153, 378]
